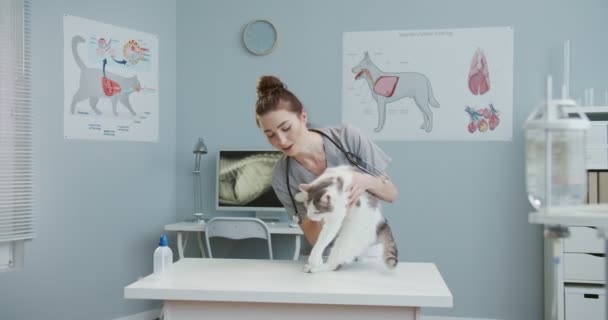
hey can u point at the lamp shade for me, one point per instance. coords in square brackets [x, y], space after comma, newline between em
[200, 147]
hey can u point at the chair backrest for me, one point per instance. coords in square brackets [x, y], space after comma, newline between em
[237, 228]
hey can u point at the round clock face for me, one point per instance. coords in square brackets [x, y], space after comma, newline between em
[260, 37]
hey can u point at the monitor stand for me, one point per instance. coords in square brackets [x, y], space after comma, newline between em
[268, 215]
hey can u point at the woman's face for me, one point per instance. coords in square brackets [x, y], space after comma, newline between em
[284, 130]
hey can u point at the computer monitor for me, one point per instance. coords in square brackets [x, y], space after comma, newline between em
[243, 182]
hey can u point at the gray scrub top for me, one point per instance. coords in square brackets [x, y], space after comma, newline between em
[350, 138]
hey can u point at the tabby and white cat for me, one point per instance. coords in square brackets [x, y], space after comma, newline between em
[91, 87]
[354, 230]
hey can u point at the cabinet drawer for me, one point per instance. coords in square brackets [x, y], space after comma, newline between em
[597, 135]
[585, 303]
[583, 240]
[596, 158]
[584, 267]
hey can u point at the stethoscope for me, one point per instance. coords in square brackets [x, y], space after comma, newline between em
[352, 158]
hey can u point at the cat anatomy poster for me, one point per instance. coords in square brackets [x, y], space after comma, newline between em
[453, 84]
[110, 82]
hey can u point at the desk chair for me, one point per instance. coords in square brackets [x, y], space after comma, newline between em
[236, 228]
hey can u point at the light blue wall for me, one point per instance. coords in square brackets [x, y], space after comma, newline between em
[101, 205]
[461, 205]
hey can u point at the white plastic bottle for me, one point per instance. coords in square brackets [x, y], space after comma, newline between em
[163, 256]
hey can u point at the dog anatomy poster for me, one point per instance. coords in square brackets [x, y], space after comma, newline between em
[430, 84]
[110, 82]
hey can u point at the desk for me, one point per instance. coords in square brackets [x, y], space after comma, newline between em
[199, 228]
[275, 289]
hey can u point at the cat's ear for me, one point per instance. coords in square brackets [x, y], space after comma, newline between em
[305, 187]
[301, 197]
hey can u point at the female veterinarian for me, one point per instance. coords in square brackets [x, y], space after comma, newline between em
[308, 152]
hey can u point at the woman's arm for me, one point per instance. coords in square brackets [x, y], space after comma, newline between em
[380, 187]
[370, 153]
[383, 189]
[311, 230]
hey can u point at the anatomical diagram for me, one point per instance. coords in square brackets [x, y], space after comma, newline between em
[479, 74]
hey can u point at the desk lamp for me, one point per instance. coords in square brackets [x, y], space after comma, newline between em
[199, 149]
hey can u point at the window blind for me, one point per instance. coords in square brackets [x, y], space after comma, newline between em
[16, 152]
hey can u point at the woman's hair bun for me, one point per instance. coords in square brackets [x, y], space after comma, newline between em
[268, 85]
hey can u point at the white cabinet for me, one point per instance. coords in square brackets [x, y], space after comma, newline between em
[579, 278]
[584, 267]
[584, 302]
[578, 273]
[584, 256]
[584, 240]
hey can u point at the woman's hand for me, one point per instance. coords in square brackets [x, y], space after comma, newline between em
[359, 184]
[382, 188]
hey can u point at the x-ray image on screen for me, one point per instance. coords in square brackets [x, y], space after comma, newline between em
[244, 180]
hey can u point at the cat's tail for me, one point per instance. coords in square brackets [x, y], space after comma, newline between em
[385, 236]
[75, 41]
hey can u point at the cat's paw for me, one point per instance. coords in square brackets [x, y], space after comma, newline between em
[312, 268]
[314, 260]
[307, 267]
[319, 268]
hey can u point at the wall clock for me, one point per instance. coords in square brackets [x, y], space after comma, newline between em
[260, 37]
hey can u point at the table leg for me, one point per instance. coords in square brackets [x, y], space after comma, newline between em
[180, 245]
[200, 245]
[296, 251]
[186, 236]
